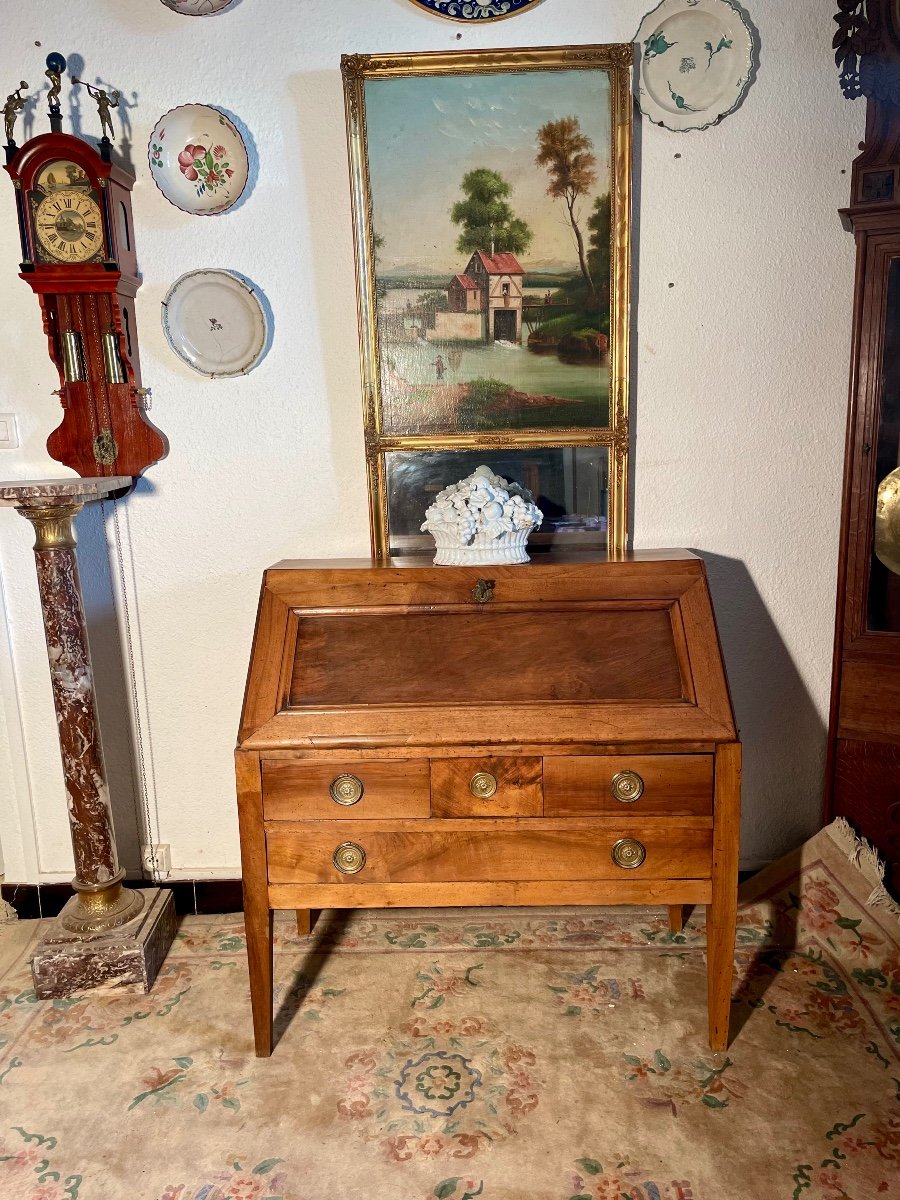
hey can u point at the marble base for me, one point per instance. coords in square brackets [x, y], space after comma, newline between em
[123, 962]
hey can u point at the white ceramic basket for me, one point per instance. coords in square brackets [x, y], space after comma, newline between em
[483, 520]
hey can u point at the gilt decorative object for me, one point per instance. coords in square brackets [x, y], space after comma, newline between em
[483, 519]
[493, 271]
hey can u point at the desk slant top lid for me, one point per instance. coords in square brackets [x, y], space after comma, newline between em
[567, 649]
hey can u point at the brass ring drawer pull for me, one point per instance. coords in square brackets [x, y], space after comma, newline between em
[483, 785]
[628, 853]
[627, 786]
[346, 789]
[349, 858]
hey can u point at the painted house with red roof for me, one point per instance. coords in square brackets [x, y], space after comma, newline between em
[463, 295]
[484, 302]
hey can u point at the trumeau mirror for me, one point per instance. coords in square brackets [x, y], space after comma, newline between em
[491, 206]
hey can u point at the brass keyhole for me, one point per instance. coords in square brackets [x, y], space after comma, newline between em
[349, 858]
[346, 789]
[483, 785]
[483, 591]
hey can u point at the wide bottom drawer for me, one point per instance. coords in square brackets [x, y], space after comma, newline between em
[480, 850]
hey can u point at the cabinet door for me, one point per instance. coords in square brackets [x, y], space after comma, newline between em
[864, 767]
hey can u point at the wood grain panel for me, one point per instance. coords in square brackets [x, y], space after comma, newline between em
[356, 658]
[461, 851]
[870, 701]
[296, 790]
[867, 792]
[578, 786]
[452, 895]
[518, 787]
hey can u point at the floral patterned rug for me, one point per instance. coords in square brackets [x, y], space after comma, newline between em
[427, 1055]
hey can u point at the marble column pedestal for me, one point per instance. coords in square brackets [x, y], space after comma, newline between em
[106, 936]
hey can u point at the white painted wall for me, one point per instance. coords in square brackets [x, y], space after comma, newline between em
[741, 358]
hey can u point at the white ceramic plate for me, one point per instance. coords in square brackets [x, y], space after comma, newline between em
[197, 8]
[696, 62]
[198, 159]
[215, 323]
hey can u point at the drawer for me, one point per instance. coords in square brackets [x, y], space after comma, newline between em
[481, 851]
[301, 789]
[486, 787]
[582, 786]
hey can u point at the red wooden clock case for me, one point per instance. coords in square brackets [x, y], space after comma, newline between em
[104, 430]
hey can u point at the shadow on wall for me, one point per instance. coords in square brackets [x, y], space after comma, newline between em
[110, 679]
[782, 733]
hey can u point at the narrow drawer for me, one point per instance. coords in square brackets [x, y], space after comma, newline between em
[486, 787]
[297, 790]
[639, 785]
[481, 851]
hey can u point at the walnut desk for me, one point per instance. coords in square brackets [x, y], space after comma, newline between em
[553, 733]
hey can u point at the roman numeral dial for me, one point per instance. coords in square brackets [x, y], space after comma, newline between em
[68, 225]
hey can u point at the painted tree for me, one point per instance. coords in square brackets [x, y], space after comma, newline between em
[566, 152]
[486, 216]
[598, 254]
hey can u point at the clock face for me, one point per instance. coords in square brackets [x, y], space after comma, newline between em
[68, 225]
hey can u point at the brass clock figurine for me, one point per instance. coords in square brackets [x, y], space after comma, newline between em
[78, 257]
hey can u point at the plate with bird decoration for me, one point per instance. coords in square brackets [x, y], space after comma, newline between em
[475, 10]
[696, 61]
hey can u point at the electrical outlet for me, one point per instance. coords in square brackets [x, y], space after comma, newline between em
[157, 859]
[9, 434]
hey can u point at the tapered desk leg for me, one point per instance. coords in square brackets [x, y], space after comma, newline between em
[306, 920]
[721, 913]
[258, 917]
[676, 917]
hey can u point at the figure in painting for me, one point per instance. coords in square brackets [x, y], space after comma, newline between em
[439, 368]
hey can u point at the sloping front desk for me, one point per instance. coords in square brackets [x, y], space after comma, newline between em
[555, 733]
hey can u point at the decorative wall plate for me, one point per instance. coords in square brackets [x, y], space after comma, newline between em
[198, 159]
[214, 322]
[197, 8]
[475, 10]
[696, 62]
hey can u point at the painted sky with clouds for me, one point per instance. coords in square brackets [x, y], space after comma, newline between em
[424, 133]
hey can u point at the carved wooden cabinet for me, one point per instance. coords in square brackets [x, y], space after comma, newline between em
[556, 733]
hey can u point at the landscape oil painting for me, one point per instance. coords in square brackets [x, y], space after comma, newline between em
[491, 218]
[491, 209]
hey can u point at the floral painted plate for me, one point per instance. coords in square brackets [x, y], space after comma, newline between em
[696, 62]
[197, 8]
[475, 10]
[198, 159]
[215, 323]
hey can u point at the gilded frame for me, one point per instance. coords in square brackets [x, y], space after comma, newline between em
[616, 61]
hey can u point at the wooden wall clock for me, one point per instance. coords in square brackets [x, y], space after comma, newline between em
[78, 257]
